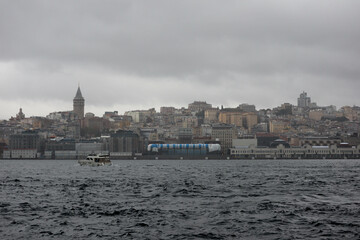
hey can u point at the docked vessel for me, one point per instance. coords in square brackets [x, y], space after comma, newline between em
[95, 160]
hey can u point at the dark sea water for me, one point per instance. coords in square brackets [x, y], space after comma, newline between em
[270, 199]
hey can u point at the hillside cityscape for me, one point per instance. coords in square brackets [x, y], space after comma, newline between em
[305, 130]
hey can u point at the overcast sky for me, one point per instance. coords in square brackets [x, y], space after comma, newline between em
[129, 55]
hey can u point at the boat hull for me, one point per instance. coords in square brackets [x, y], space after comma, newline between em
[92, 163]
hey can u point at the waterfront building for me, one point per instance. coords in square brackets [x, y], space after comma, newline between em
[60, 144]
[244, 142]
[185, 135]
[319, 141]
[307, 152]
[25, 140]
[3, 146]
[23, 145]
[84, 148]
[224, 133]
[148, 135]
[21, 154]
[265, 139]
[187, 150]
[65, 148]
[124, 141]
[60, 148]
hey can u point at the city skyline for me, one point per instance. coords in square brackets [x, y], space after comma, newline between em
[100, 112]
[82, 106]
[137, 55]
[66, 134]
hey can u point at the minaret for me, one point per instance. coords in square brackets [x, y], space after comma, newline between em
[79, 104]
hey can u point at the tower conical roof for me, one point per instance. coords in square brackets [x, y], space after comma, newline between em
[78, 94]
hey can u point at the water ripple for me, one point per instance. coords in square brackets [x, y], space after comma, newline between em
[275, 199]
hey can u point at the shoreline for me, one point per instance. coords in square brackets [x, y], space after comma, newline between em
[172, 158]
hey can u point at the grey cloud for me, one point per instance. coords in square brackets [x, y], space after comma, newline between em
[57, 44]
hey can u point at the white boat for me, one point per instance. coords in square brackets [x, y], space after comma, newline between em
[95, 160]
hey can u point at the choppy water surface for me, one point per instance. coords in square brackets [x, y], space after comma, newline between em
[273, 199]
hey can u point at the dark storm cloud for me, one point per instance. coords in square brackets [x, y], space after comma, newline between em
[227, 52]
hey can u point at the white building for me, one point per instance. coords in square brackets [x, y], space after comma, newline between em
[21, 154]
[295, 152]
